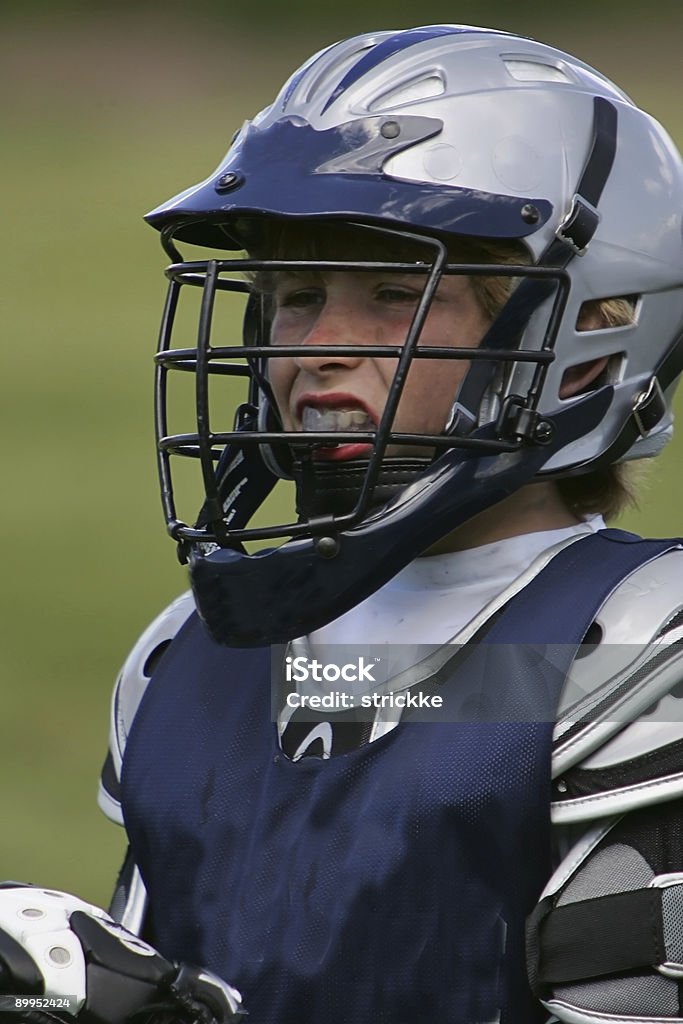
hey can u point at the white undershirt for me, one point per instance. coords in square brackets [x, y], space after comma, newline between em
[430, 600]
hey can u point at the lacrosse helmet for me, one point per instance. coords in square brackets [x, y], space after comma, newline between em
[419, 141]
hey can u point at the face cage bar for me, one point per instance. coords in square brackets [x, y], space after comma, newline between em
[517, 412]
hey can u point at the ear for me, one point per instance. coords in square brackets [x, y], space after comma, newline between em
[579, 378]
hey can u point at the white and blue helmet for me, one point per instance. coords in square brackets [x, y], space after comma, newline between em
[434, 135]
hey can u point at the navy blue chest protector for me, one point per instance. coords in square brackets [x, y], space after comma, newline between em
[386, 885]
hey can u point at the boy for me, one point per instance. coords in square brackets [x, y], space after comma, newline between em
[465, 303]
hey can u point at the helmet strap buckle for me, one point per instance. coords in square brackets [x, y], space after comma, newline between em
[579, 226]
[649, 407]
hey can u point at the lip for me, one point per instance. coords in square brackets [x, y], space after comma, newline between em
[334, 400]
[341, 452]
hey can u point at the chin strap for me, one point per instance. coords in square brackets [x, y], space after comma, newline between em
[332, 488]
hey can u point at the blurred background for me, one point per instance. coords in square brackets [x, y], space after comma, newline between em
[108, 109]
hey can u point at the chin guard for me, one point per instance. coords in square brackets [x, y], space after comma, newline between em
[324, 488]
[244, 599]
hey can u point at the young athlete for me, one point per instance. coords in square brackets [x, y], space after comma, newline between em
[460, 256]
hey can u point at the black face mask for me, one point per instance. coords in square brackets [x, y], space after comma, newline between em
[358, 522]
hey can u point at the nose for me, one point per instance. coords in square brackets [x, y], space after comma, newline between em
[339, 322]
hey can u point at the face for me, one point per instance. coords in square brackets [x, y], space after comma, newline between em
[336, 392]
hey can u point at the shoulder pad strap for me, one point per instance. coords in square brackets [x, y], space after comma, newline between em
[618, 743]
[604, 942]
[129, 690]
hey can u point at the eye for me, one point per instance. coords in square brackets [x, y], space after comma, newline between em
[300, 298]
[397, 294]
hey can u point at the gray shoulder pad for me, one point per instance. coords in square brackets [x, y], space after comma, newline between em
[618, 741]
[129, 690]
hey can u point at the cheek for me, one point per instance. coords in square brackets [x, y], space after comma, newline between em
[430, 390]
[432, 384]
[280, 377]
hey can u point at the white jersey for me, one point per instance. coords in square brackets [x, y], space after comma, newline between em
[434, 597]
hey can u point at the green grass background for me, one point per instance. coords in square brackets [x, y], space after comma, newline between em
[105, 113]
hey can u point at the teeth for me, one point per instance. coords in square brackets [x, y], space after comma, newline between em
[335, 419]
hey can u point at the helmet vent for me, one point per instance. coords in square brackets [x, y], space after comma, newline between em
[334, 72]
[535, 71]
[422, 88]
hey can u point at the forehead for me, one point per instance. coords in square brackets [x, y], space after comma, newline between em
[337, 240]
[352, 279]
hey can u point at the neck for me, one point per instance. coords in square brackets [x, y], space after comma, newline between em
[534, 508]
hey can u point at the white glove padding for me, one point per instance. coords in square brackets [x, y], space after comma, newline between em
[56, 946]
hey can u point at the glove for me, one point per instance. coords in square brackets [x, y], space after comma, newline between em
[60, 955]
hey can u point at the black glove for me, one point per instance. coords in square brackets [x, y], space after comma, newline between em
[62, 957]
